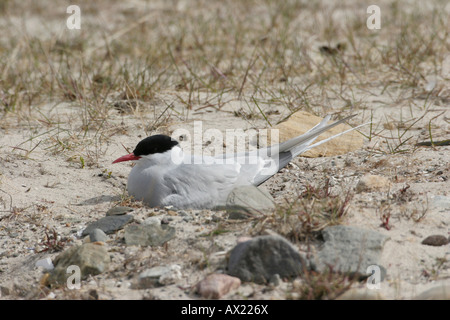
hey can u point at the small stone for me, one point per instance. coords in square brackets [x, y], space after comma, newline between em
[152, 221]
[160, 275]
[45, 263]
[118, 211]
[435, 240]
[172, 276]
[246, 201]
[51, 296]
[372, 183]
[108, 224]
[440, 203]
[260, 258]
[215, 286]
[350, 249]
[148, 235]
[98, 235]
[90, 258]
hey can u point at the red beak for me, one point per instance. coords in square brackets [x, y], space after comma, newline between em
[128, 157]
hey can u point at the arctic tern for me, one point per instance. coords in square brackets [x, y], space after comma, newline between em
[165, 176]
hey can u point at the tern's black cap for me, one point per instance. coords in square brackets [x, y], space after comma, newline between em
[158, 143]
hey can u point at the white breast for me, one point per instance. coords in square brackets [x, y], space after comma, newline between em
[145, 181]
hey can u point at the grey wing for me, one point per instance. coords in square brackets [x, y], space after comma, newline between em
[200, 186]
[272, 166]
[259, 165]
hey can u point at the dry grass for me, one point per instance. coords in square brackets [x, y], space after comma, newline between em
[305, 217]
[264, 54]
[327, 285]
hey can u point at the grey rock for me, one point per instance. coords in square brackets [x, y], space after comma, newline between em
[172, 276]
[91, 258]
[98, 235]
[247, 201]
[148, 235]
[351, 250]
[435, 240]
[46, 263]
[440, 203]
[160, 275]
[108, 224]
[152, 221]
[259, 259]
[117, 211]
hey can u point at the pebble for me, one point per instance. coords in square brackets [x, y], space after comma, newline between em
[247, 201]
[46, 263]
[350, 249]
[216, 285]
[91, 258]
[98, 235]
[118, 211]
[160, 275]
[172, 276]
[262, 257]
[441, 203]
[51, 296]
[152, 221]
[435, 240]
[108, 224]
[148, 235]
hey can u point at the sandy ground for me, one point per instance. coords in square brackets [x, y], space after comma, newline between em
[50, 191]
